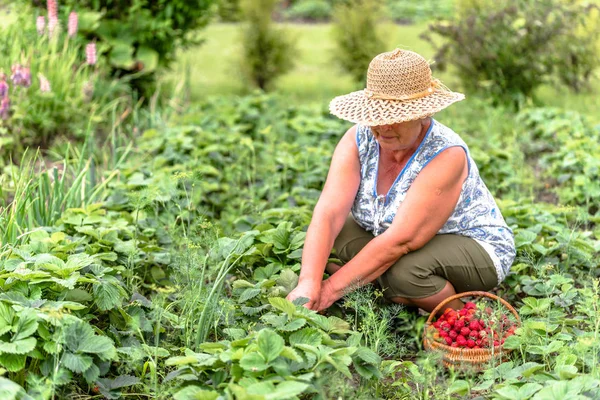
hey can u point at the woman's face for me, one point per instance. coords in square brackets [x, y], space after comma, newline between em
[400, 136]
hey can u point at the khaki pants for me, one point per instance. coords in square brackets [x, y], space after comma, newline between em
[457, 259]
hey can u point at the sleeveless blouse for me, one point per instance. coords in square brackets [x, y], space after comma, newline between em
[476, 214]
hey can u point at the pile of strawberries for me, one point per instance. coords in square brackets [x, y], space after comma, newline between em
[466, 328]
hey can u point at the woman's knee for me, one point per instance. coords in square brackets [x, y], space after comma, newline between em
[408, 280]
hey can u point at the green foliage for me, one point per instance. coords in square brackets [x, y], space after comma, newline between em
[508, 49]
[139, 37]
[268, 52]
[563, 146]
[77, 93]
[229, 10]
[282, 359]
[419, 10]
[310, 10]
[357, 37]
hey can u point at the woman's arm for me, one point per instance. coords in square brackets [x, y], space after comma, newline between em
[328, 217]
[428, 204]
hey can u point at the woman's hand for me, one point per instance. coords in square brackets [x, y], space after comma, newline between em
[328, 296]
[308, 289]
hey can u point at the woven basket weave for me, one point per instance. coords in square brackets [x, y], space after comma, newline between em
[466, 359]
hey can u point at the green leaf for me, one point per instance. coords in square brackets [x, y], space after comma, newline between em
[121, 55]
[195, 393]
[77, 363]
[288, 280]
[22, 346]
[80, 338]
[10, 390]
[528, 390]
[261, 388]
[283, 305]
[294, 325]
[148, 57]
[248, 294]
[308, 336]
[270, 344]
[253, 362]
[13, 362]
[109, 293]
[91, 374]
[78, 295]
[566, 371]
[291, 354]
[460, 387]
[287, 390]
[26, 325]
[368, 355]
[508, 392]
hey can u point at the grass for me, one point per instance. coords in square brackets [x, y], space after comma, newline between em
[316, 77]
[211, 68]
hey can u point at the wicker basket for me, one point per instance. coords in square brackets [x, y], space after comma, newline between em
[460, 358]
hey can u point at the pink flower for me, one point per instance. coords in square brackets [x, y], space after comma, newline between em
[52, 9]
[16, 77]
[52, 25]
[40, 23]
[4, 107]
[90, 53]
[44, 83]
[3, 86]
[25, 77]
[21, 76]
[72, 24]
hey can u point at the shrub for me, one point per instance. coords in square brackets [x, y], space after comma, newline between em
[138, 36]
[49, 89]
[229, 10]
[508, 49]
[418, 10]
[312, 10]
[355, 33]
[267, 51]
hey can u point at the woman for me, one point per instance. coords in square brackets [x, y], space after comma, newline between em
[423, 223]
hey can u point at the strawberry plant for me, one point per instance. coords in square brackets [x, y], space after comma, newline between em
[291, 353]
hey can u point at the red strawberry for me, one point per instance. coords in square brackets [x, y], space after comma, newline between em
[459, 323]
[476, 347]
[470, 305]
[474, 326]
[462, 312]
[474, 334]
[448, 340]
[452, 334]
[436, 324]
[496, 343]
[443, 333]
[448, 310]
[478, 342]
[465, 331]
[454, 344]
[470, 343]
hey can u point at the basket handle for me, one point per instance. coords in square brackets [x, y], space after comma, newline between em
[474, 293]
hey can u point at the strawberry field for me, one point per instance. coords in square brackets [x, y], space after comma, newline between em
[148, 253]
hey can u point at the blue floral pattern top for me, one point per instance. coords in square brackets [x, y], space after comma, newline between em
[476, 214]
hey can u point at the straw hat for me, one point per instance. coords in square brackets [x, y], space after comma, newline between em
[399, 88]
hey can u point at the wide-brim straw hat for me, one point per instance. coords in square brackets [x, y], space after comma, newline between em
[400, 88]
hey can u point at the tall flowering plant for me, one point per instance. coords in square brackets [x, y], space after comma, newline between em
[51, 84]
